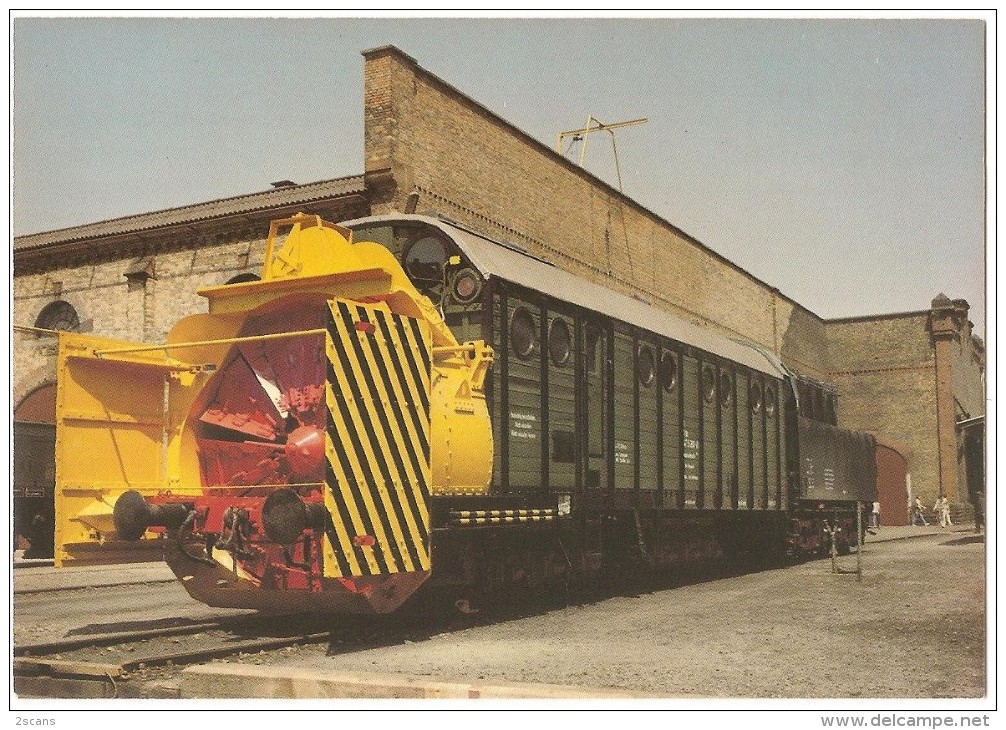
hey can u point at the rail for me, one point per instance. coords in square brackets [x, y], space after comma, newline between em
[116, 664]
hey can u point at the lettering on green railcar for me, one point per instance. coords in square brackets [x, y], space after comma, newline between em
[808, 474]
[523, 425]
[691, 455]
[622, 453]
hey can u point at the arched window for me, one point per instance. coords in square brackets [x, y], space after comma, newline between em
[58, 315]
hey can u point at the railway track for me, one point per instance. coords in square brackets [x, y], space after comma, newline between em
[137, 663]
[145, 663]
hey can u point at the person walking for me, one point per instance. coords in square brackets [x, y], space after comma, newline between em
[919, 516]
[875, 517]
[944, 505]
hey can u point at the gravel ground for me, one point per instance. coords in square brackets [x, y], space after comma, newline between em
[913, 628]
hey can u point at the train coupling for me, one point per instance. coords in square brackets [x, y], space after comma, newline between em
[285, 516]
[133, 515]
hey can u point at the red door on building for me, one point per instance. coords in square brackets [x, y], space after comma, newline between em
[892, 486]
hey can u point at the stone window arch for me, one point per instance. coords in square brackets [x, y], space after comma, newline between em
[58, 315]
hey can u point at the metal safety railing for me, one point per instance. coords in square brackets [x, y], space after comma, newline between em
[205, 343]
[35, 330]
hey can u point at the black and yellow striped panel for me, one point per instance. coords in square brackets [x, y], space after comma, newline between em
[502, 516]
[378, 442]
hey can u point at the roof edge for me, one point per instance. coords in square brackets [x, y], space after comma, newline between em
[877, 317]
[70, 234]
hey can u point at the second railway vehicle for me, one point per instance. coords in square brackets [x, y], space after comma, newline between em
[429, 407]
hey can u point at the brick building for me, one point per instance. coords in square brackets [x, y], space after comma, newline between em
[917, 378]
[428, 147]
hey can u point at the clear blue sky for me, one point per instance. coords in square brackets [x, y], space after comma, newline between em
[839, 160]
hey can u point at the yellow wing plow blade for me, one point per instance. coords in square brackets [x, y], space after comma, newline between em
[118, 426]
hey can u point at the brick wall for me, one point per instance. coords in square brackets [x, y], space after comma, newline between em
[885, 372]
[893, 341]
[422, 134]
[887, 375]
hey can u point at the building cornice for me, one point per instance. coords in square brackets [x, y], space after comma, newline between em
[290, 195]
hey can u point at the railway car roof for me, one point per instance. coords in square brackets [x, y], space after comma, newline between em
[493, 258]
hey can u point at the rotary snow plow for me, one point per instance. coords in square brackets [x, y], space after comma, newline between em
[281, 450]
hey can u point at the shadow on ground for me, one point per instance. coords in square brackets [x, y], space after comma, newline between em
[969, 540]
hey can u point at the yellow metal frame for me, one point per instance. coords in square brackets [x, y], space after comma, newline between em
[117, 429]
[292, 261]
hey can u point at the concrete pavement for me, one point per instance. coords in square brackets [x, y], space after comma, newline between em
[243, 681]
[41, 579]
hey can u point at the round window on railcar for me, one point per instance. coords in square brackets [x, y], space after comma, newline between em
[646, 366]
[467, 286]
[754, 396]
[425, 259]
[709, 384]
[769, 399]
[726, 389]
[523, 333]
[668, 371]
[559, 342]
